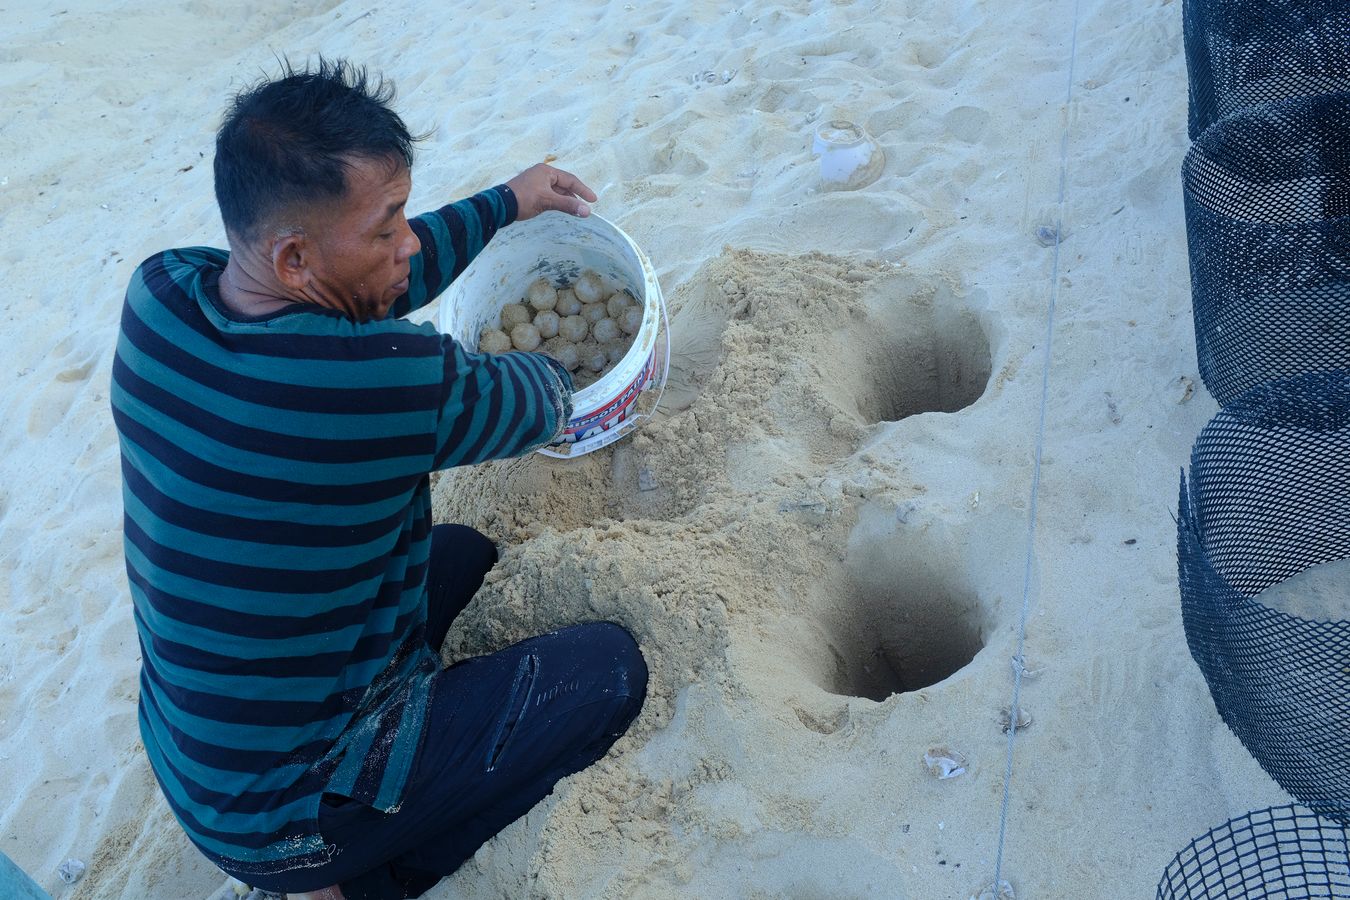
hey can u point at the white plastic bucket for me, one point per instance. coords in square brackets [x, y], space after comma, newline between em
[560, 247]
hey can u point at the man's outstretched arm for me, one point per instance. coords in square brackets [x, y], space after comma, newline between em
[453, 235]
[498, 405]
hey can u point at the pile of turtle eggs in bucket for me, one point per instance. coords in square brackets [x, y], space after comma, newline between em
[581, 324]
[579, 290]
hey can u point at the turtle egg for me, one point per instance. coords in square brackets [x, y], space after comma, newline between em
[631, 320]
[588, 288]
[594, 312]
[541, 295]
[514, 314]
[574, 329]
[596, 360]
[525, 336]
[616, 350]
[547, 322]
[568, 304]
[617, 303]
[605, 330]
[569, 356]
[493, 341]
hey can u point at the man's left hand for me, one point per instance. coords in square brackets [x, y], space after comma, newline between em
[542, 187]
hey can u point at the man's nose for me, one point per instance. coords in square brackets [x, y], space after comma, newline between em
[411, 245]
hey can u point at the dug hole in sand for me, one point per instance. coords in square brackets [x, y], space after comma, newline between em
[808, 610]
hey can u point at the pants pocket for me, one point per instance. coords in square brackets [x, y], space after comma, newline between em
[522, 687]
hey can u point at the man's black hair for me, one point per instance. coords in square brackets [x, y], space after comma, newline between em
[287, 142]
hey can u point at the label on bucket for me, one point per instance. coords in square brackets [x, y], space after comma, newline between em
[604, 424]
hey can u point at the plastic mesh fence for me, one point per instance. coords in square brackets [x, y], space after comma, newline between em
[1269, 496]
[1241, 53]
[1267, 197]
[1283, 853]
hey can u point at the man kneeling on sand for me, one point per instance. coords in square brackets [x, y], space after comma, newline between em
[278, 420]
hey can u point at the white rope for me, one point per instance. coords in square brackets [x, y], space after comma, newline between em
[1018, 660]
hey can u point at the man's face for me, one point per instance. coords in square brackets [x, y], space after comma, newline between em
[361, 245]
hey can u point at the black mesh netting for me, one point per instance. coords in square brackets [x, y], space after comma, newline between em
[1267, 197]
[1269, 496]
[1241, 53]
[1283, 853]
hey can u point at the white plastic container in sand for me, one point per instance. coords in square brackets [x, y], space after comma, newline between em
[849, 157]
[560, 247]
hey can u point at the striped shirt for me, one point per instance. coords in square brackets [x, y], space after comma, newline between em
[277, 530]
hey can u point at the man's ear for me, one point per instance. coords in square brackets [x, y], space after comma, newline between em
[290, 260]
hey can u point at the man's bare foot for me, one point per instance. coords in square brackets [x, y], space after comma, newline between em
[328, 893]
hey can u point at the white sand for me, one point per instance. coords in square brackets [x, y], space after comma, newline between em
[793, 544]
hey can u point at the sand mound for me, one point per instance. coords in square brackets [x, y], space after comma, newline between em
[711, 530]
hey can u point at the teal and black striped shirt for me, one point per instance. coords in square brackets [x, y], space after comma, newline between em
[277, 528]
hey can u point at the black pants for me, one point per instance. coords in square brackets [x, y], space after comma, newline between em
[501, 731]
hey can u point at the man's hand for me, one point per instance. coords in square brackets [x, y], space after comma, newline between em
[542, 187]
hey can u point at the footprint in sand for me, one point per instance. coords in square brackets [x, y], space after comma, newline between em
[966, 123]
[820, 719]
[931, 54]
[54, 400]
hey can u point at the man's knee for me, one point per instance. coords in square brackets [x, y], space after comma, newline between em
[467, 546]
[627, 666]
